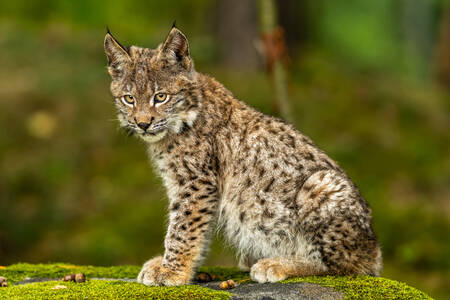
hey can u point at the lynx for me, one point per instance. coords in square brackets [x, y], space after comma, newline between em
[287, 208]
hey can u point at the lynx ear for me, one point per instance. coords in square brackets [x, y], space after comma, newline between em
[116, 53]
[176, 49]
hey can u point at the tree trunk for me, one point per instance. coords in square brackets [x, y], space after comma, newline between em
[274, 49]
[294, 18]
[237, 28]
[417, 28]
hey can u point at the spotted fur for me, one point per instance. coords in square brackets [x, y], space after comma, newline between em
[288, 208]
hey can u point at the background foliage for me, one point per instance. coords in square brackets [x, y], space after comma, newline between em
[366, 82]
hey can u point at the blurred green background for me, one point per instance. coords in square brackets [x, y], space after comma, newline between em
[369, 81]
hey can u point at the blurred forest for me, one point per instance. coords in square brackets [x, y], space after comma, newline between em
[368, 81]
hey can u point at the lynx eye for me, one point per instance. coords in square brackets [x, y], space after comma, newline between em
[160, 98]
[128, 99]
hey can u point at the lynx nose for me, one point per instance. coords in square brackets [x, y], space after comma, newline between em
[144, 126]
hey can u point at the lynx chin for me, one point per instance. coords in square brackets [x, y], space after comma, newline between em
[288, 209]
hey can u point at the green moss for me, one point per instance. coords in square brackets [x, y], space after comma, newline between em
[365, 287]
[18, 272]
[100, 289]
[354, 287]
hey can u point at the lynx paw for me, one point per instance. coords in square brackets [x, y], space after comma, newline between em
[154, 273]
[268, 270]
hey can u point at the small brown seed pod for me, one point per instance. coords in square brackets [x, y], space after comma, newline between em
[203, 277]
[224, 285]
[4, 284]
[70, 277]
[80, 277]
[231, 283]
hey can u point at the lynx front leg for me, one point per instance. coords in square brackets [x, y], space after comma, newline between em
[191, 215]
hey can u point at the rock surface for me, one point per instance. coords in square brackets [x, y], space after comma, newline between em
[281, 291]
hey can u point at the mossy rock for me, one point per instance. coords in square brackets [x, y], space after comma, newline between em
[352, 287]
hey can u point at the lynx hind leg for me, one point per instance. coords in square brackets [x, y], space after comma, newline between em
[276, 269]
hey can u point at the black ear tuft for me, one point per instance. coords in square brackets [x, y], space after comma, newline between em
[126, 49]
[174, 24]
[115, 52]
[176, 48]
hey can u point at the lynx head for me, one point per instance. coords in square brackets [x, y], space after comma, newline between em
[155, 90]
